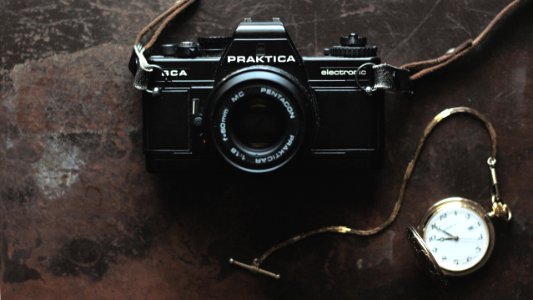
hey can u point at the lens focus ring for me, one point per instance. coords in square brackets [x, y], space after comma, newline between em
[258, 123]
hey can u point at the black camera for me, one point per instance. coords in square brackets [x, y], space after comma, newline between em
[252, 101]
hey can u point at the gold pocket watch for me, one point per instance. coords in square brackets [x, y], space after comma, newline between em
[456, 235]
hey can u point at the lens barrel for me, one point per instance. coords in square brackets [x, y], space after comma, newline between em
[258, 119]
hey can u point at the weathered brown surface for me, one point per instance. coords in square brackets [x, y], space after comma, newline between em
[81, 218]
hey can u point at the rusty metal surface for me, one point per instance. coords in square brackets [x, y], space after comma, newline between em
[81, 218]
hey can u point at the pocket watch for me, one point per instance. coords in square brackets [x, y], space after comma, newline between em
[457, 237]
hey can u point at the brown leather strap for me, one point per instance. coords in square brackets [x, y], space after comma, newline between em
[417, 70]
[162, 20]
[422, 68]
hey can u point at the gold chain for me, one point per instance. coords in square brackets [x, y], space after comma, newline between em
[499, 208]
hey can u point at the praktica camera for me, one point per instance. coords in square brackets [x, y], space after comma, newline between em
[253, 103]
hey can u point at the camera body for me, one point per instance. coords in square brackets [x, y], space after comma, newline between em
[252, 101]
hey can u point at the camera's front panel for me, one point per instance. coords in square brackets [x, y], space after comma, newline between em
[175, 129]
[175, 133]
[350, 134]
[166, 122]
[351, 128]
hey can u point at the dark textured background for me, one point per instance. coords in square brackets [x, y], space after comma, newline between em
[81, 218]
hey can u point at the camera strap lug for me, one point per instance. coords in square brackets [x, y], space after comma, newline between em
[141, 79]
[144, 69]
[386, 78]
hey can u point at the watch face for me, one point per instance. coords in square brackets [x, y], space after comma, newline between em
[459, 235]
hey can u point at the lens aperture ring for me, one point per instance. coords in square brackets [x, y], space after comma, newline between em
[270, 139]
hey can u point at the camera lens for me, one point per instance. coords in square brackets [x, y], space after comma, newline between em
[259, 119]
[258, 123]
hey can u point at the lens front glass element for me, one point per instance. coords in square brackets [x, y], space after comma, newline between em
[258, 120]
[258, 123]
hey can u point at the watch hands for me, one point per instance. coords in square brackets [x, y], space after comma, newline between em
[442, 239]
[456, 238]
[446, 232]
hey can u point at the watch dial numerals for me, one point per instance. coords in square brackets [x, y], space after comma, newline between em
[459, 235]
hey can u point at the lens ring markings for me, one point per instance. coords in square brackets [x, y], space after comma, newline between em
[232, 146]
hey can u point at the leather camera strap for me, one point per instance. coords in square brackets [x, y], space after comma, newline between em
[420, 69]
[387, 77]
[161, 22]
